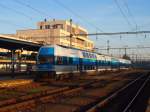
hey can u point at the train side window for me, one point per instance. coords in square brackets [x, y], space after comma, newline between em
[109, 63]
[105, 62]
[65, 60]
[90, 55]
[70, 60]
[59, 60]
[77, 67]
[85, 67]
[87, 56]
[84, 54]
[99, 62]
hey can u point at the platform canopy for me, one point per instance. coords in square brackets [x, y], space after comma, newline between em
[11, 43]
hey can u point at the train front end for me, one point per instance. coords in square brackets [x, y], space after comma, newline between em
[45, 60]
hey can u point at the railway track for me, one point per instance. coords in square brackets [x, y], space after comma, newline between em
[30, 103]
[125, 99]
[131, 106]
[86, 98]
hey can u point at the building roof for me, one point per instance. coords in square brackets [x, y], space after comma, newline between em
[12, 43]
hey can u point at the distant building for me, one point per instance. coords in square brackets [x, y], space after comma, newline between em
[58, 32]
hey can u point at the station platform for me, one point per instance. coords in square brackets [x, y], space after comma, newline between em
[16, 75]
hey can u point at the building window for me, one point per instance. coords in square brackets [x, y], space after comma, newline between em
[54, 26]
[60, 26]
[41, 27]
[47, 26]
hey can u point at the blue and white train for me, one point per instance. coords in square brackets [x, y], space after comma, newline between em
[58, 60]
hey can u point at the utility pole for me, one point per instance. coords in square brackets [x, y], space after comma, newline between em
[108, 46]
[125, 51]
[71, 33]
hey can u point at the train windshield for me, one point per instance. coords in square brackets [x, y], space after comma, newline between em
[46, 59]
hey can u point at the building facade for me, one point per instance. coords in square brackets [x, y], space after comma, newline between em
[58, 32]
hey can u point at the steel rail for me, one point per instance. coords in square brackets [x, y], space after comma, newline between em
[113, 95]
[138, 92]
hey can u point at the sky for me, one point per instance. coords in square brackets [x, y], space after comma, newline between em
[94, 15]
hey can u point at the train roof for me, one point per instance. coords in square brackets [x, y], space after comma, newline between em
[69, 48]
[121, 59]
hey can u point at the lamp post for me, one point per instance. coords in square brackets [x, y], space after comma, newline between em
[71, 33]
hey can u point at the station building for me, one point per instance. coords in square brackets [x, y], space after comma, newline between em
[58, 32]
